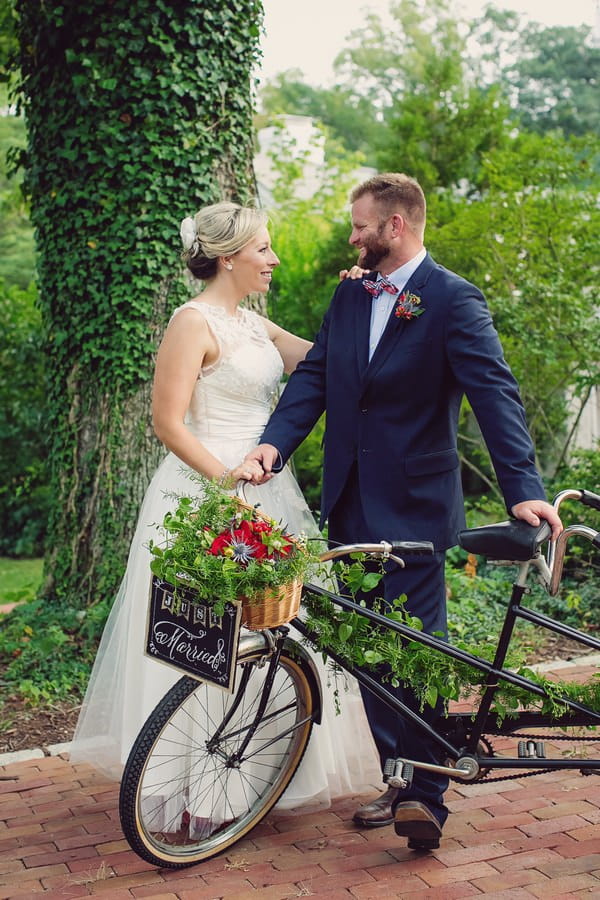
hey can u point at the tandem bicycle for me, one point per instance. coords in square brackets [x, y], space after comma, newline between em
[207, 766]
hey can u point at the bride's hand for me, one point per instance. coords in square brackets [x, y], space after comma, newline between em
[248, 470]
[353, 273]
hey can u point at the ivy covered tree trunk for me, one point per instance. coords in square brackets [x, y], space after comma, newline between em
[138, 113]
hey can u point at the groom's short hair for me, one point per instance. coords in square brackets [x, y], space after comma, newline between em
[393, 191]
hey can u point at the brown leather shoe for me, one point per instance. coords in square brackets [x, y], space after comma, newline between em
[378, 812]
[415, 821]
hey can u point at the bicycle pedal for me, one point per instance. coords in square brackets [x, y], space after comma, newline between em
[398, 773]
[531, 750]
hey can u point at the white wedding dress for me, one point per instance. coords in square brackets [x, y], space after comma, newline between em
[230, 406]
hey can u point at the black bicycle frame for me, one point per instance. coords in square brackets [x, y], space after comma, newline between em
[473, 728]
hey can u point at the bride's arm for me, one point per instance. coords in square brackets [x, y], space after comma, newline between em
[185, 348]
[292, 348]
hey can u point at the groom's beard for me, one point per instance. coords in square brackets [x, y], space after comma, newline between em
[373, 252]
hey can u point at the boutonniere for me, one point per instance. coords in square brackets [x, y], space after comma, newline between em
[409, 306]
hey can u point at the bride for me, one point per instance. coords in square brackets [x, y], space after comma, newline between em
[217, 376]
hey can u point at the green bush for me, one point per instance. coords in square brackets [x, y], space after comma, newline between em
[17, 251]
[19, 579]
[42, 659]
[476, 605]
[24, 495]
[582, 472]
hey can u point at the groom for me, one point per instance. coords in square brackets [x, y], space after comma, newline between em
[394, 356]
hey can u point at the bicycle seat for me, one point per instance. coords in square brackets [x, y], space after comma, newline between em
[514, 540]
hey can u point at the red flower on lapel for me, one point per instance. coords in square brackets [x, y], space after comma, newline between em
[409, 306]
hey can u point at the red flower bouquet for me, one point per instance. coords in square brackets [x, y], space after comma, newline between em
[226, 551]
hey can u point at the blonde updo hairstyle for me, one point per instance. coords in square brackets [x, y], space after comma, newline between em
[221, 229]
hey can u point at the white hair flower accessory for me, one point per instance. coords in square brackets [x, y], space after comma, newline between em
[189, 237]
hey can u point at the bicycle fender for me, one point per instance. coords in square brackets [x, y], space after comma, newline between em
[257, 641]
[304, 659]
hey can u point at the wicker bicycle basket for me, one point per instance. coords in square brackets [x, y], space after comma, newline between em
[273, 607]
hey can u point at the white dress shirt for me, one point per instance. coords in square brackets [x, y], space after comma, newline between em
[383, 305]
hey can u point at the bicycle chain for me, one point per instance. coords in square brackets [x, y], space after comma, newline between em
[512, 777]
[535, 737]
[547, 737]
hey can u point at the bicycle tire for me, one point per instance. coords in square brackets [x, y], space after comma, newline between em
[171, 755]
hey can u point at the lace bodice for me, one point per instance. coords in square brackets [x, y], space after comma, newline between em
[234, 397]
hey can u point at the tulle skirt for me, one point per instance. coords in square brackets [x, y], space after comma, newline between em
[126, 685]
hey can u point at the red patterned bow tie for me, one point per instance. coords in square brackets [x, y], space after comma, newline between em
[376, 288]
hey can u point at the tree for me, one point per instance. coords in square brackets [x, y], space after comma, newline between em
[552, 74]
[531, 242]
[424, 108]
[137, 113]
[440, 132]
[556, 79]
[350, 119]
[439, 116]
[310, 231]
[430, 93]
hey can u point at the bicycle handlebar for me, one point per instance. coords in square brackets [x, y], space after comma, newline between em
[556, 549]
[590, 499]
[413, 548]
[384, 549]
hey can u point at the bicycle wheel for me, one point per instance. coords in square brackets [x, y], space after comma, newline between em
[184, 795]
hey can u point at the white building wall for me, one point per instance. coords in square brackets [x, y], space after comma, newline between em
[309, 144]
[587, 435]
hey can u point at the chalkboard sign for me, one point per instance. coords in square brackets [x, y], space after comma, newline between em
[187, 635]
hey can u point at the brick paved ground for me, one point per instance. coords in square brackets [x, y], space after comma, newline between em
[524, 838]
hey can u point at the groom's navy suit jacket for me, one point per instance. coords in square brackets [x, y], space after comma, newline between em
[397, 415]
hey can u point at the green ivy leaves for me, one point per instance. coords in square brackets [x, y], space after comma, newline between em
[432, 675]
[137, 114]
[131, 110]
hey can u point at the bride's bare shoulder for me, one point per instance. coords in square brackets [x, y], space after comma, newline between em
[192, 313]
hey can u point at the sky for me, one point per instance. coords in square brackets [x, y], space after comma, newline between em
[308, 34]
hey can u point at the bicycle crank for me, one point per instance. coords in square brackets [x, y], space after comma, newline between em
[398, 773]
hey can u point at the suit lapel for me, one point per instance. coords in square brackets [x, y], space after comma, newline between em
[395, 326]
[362, 324]
[391, 335]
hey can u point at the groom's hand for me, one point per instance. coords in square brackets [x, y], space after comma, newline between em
[267, 455]
[534, 510]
